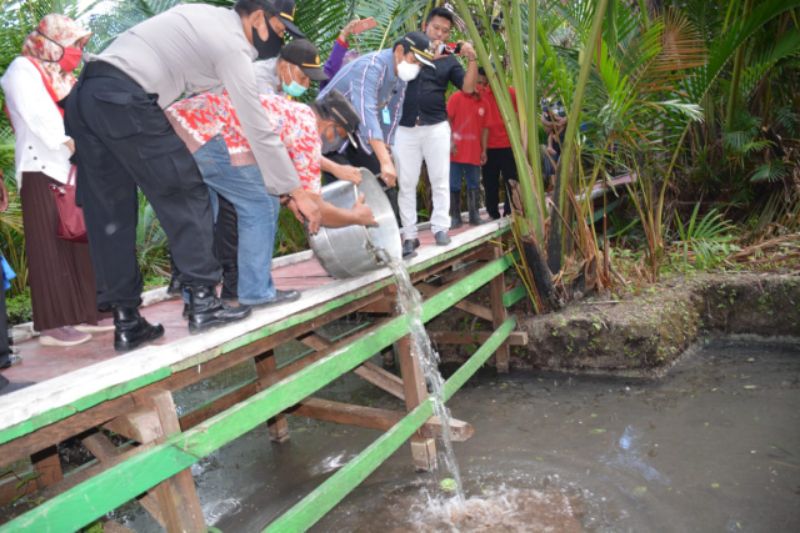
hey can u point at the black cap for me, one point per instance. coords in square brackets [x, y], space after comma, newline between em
[418, 42]
[284, 10]
[336, 107]
[304, 54]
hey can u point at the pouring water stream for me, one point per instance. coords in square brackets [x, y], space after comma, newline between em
[409, 302]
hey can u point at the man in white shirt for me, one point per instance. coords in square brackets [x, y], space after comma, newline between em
[124, 141]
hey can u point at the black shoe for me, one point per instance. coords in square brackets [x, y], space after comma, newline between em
[281, 297]
[131, 330]
[441, 238]
[473, 203]
[455, 210]
[174, 287]
[207, 311]
[409, 245]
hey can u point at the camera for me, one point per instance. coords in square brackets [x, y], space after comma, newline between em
[450, 49]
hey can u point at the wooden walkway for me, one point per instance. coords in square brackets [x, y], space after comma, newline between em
[87, 390]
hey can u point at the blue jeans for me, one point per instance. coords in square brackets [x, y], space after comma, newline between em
[471, 173]
[257, 213]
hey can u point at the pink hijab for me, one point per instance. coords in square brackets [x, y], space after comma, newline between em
[45, 45]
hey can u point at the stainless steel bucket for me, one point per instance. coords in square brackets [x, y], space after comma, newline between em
[354, 250]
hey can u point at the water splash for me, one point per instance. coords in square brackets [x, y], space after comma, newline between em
[499, 509]
[409, 302]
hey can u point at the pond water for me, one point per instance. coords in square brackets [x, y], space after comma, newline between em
[714, 446]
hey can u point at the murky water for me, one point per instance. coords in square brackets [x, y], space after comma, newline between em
[715, 446]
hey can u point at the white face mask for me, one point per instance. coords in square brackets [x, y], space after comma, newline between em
[407, 71]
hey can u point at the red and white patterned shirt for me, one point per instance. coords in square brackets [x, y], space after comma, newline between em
[200, 118]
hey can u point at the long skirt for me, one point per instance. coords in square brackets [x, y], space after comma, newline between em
[60, 272]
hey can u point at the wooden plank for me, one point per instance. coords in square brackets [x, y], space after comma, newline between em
[478, 310]
[514, 295]
[517, 338]
[113, 487]
[177, 496]
[315, 342]
[62, 430]
[497, 288]
[375, 418]
[141, 425]
[423, 448]
[322, 499]
[86, 473]
[345, 413]
[47, 465]
[381, 378]
[104, 450]
[278, 425]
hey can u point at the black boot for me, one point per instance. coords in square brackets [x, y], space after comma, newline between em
[131, 330]
[174, 287]
[455, 210]
[207, 311]
[473, 206]
[230, 283]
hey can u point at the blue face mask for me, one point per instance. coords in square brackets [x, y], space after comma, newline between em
[295, 90]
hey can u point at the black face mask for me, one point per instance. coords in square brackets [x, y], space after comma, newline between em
[269, 48]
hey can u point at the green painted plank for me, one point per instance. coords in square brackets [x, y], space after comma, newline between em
[82, 404]
[322, 499]
[69, 510]
[513, 296]
[60, 413]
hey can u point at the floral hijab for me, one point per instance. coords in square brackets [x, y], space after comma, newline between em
[45, 46]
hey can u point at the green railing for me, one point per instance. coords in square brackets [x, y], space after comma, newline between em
[111, 488]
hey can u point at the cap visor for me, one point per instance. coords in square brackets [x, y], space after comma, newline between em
[292, 28]
[316, 74]
[424, 60]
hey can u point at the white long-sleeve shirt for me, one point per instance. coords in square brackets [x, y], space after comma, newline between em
[38, 125]
[198, 48]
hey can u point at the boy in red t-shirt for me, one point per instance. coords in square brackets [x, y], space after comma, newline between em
[467, 116]
[498, 157]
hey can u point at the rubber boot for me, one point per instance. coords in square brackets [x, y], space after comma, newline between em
[455, 210]
[473, 206]
[207, 311]
[131, 330]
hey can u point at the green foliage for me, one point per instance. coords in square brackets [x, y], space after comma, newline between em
[18, 307]
[152, 246]
[290, 236]
[705, 242]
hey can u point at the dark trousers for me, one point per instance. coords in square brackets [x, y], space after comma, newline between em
[499, 162]
[5, 349]
[359, 158]
[226, 247]
[124, 141]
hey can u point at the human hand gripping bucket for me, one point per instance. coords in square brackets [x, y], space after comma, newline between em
[355, 250]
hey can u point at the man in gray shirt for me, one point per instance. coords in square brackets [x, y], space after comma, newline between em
[124, 141]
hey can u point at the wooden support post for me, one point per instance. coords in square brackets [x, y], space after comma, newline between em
[278, 426]
[48, 467]
[423, 449]
[104, 451]
[497, 288]
[381, 379]
[177, 496]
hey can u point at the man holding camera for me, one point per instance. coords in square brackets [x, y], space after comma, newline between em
[424, 131]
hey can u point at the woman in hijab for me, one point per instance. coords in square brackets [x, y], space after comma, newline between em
[61, 277]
